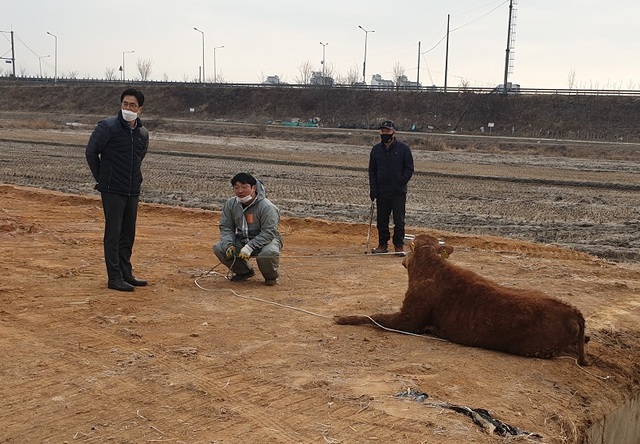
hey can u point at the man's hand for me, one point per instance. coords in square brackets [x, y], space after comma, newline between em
[230, 253]
[245, 253]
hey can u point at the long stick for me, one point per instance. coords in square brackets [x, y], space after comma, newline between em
[373, 203]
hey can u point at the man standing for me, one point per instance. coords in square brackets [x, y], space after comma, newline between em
[390, 169]
[114, 154]
[249, 227]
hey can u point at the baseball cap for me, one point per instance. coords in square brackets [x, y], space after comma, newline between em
[388, 124]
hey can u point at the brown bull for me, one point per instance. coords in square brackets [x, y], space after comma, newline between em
[464, 307]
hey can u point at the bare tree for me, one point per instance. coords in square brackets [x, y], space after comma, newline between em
[165, 77]
[144, 68]
[329, 70]
[571, 78]
[110, 74]
[304, 72]
[72, 75]
[352, 76]
[398, 71]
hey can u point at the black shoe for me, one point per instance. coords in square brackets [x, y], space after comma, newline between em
[135, 282]
[382, 249]
[243, 277]
[120, 286]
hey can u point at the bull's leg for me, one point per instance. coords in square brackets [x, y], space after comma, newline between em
[395, 321]
[352, 320]
[412, 318]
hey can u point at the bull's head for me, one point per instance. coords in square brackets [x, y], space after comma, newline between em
[430, 245]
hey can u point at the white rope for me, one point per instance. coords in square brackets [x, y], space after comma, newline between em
[211, 272]
[404, 332]
[253, 298]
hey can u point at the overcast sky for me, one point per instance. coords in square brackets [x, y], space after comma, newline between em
[595, 42]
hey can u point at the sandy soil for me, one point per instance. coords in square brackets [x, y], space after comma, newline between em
[194, 358]
[211, 361]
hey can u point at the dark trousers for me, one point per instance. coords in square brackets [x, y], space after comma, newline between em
[120, 213]
[388, 204]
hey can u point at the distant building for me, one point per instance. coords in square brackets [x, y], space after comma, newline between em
[272, 80]
[318, 79]
[404, 83]
[512, 88]
[378, 81]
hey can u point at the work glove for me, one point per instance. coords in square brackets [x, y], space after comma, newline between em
[230, 253]
[245, 253]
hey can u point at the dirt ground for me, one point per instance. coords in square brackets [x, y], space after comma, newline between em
[194, 358]
[199, 359]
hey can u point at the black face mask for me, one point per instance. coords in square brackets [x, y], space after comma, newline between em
[386, 138]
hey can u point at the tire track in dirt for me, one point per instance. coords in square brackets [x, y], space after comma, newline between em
[251, 398]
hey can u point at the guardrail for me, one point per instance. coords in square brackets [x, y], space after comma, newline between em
[422, 89]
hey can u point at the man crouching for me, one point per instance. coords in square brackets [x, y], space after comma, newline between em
[249, 227]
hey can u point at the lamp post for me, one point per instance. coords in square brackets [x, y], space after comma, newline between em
[55, 75]
[215, 72]
[323, 52]
[40, 62]
[364, 64]
[202, 32]
[123, 71]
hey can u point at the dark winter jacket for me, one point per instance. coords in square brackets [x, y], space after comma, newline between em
[390, 169]
[114, 154]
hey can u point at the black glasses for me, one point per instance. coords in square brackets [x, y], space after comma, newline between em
[130, 105]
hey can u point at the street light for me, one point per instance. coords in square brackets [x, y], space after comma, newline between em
[123, 71]
[202, 32]
[323, 48]
[215, 76]
[40, 62]
[364, 64]
[55, 75]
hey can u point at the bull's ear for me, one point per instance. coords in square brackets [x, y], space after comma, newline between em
[445, 250]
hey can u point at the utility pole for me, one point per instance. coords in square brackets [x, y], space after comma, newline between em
[510, 42]
[418, 76]
[446, 56]
[203, 78]
[323, 53]
[364, 64]
[12, 60]
[55, 72]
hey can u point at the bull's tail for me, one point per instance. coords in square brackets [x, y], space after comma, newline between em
[352, 320]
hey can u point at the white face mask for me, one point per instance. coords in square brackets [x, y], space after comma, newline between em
[245, 199]
[129, 116]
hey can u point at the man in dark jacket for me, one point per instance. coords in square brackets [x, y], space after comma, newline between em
[390, 169]
[114, 154]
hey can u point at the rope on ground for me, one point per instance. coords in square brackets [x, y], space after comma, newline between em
[405, 332]
[603, 378]
[253, 298]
